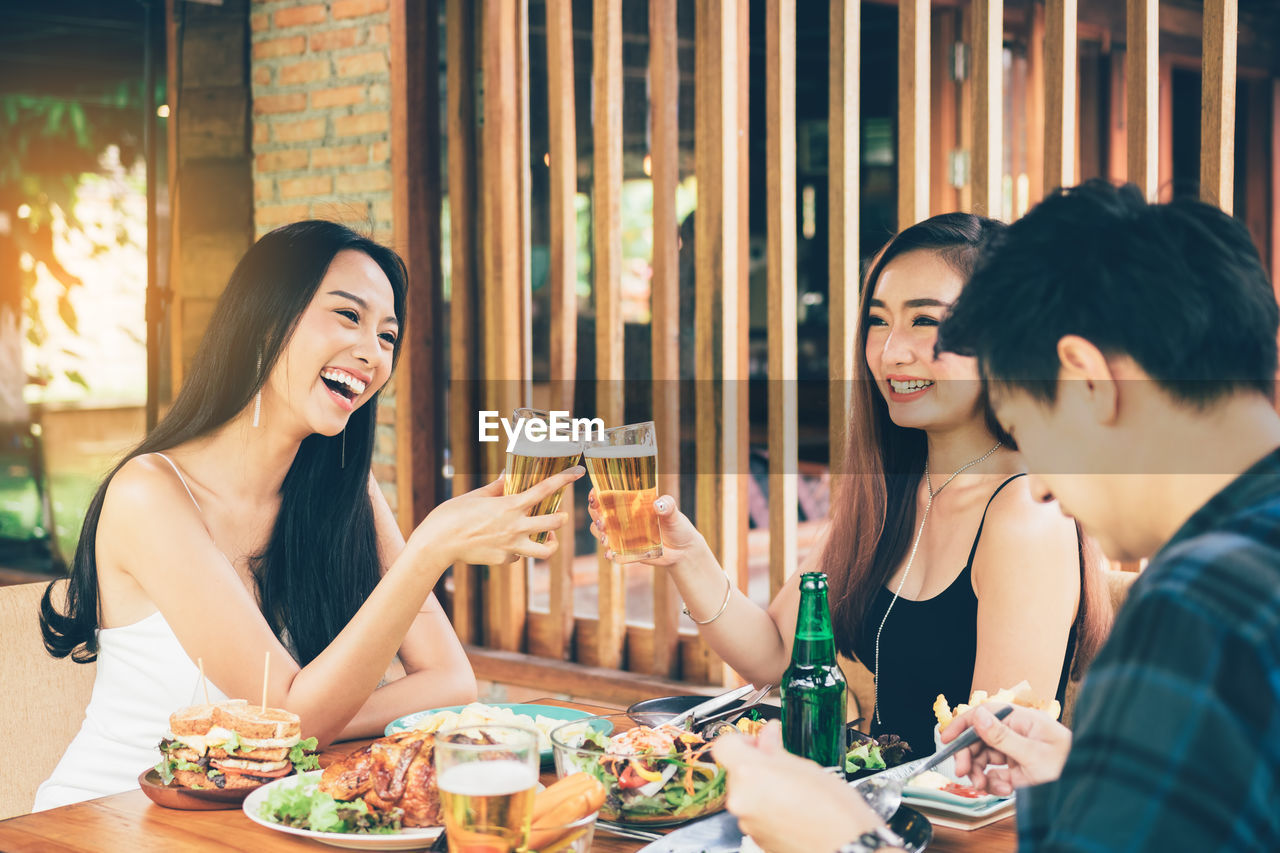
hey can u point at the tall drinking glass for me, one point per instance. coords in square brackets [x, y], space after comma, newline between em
[531, 461]
[487, 775]
[624, 470]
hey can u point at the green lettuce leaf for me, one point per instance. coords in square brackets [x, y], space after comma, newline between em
[302, 755]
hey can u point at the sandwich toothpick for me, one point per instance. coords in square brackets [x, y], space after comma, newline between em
[203, 680]
[266, 669]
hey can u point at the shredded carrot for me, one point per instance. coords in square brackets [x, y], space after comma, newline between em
[688, 780]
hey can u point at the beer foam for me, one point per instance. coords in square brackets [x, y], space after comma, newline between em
[488, 778]
[620, 451]
[547, 448]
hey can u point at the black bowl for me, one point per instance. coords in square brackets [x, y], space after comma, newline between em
[655, 712]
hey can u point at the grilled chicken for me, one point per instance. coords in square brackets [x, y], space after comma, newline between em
[392, 772]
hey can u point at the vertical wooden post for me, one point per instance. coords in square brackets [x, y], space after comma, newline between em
[1060, 94]
[717, 251]
[503, 248]
[945, 124]
[415, 198]
[607, 283]
[464, 319]
[1142, 84]
[780, 110]
[913, 112]
[842, 238]
[988, 122]
[740, 425]
[1218, 103]
[563, 139]
[664, 93]
[1037, 97]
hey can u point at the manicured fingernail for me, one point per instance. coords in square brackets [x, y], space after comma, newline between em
[662, 505]
[577, 470]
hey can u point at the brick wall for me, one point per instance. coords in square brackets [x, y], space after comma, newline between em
[321, 116]
[321, 112]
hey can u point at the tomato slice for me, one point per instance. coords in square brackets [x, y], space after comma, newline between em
[630, 778]
[961, 790]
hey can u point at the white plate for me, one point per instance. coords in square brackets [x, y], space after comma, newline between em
[941, 801]
[412, 838]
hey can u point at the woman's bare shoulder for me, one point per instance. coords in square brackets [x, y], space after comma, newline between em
[144, 494]
[1020, 528]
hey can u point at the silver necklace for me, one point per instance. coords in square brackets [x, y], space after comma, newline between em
[911, 559]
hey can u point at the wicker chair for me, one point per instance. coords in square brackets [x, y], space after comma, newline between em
[42, 703]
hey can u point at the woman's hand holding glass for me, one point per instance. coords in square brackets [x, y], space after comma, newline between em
[485, 527]
[680, 539]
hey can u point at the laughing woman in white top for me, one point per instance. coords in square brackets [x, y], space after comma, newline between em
[248, 522]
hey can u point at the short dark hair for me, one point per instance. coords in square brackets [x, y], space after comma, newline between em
[1178, 287]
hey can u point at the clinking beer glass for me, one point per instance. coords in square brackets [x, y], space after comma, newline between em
[624, 471]
[531, 462]
[488, 776]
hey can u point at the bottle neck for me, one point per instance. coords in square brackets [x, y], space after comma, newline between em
[814, 642]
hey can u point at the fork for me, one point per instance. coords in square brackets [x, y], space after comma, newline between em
[883, 791]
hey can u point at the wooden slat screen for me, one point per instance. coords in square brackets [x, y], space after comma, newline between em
[563, 274]
[490, 263]
[664, 85]
[1060, 94]
[1218, 103]
[780, 104]
[1142, 84]
[717, 311]
[607, 283]
[913, 111]
[988, 126]
[842, 245]
[503, 284]
[460, 36]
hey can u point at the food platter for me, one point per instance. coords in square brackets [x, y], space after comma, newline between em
[555, 712]
[411, 838]
[175, 796]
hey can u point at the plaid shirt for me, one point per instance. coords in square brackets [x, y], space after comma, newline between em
[1177, 729]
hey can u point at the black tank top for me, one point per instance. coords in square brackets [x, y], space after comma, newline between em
[929, 647]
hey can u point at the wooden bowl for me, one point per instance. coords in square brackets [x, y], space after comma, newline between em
[174, 796]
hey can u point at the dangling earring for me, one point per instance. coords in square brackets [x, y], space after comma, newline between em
[257, 399]
[344, 447]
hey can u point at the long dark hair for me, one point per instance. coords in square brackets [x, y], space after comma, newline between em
[873, 510]
[321, 560]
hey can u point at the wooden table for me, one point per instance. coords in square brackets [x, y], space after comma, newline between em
[130, 821]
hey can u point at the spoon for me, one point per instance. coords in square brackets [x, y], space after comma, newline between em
[883, 791]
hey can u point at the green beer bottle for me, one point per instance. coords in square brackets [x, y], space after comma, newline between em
[813, 687]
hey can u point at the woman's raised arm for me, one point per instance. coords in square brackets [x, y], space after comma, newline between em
[151, 532]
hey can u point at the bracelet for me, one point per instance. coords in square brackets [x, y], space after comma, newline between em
[724, 605]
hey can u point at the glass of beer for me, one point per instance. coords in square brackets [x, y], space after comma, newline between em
[532, 461]
[487, 775]
[624, 470]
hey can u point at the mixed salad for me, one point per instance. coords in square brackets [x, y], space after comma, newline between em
[651, 775]
[871, 755]
[304, 806]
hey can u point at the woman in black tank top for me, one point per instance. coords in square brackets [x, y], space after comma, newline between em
[927, 479]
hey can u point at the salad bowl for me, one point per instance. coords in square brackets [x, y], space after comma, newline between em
[660, 776]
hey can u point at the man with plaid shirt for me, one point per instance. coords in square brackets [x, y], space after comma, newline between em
[1130, 350]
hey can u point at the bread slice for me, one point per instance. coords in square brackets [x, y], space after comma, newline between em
[251, 721]
[198, 719]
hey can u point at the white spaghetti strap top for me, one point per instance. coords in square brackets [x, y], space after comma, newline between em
[143, 676]
[182, 480]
